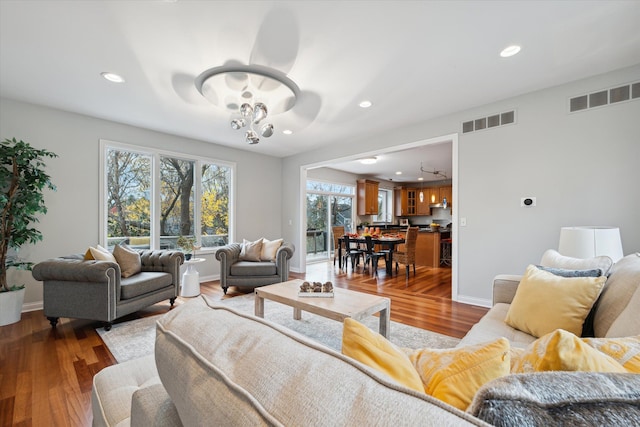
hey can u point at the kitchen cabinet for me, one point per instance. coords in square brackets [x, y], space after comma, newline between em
[428, 249]
[447, 192]
[405, 201]
[367, 192]
[423, 205]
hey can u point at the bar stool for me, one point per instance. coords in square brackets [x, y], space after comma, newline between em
[445, 252]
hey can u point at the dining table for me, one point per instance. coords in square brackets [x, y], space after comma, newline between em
[389, 242]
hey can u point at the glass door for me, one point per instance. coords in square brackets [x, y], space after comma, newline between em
[325, 210]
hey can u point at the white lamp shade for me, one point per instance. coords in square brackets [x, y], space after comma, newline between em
[590, 241]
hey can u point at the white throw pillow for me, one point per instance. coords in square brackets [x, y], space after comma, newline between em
[251, 251]
[101, 254]
[552, 258]
[269, 249]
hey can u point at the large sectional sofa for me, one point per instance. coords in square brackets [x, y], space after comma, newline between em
[215, 366]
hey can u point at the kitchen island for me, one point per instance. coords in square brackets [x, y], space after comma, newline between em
[428, 246]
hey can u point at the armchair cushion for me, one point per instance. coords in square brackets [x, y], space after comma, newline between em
[101, 254]
[143, 283]
[269, 249]
[252, 268]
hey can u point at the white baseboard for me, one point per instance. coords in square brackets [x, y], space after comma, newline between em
[474, 301]
[32, 306]
[210, 278]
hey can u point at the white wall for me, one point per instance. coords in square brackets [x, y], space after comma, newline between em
[71, 224]
[583, 168]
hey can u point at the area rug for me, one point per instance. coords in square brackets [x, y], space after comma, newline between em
[136, 338]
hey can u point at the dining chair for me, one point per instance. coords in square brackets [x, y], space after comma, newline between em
[338, 232]
[372, 255]
[408, 256]
[351, 251]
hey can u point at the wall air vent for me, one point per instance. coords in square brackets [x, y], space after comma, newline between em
[605, 97]
[492, 121]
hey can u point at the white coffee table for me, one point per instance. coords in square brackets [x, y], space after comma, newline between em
[191, 278]
[344, 304]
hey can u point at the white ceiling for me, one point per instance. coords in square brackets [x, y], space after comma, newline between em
[414, 60]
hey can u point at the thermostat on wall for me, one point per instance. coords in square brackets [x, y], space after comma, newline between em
[527, 202]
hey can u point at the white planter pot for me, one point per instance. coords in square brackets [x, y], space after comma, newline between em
[11, 306]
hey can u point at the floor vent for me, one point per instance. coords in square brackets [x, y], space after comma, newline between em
[492, 121]
[601, 98]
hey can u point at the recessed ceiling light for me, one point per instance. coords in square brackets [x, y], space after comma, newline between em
[369, 160]
[420, 179]
[287, 131]
[113, 77]
[365, 104]
[399, 173]
[510, 51]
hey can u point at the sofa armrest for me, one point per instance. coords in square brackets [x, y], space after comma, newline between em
[152, 406]
[559, 398]
[504, 288]
[284, 254]
[163, 261]
[77, 270]
[227, 255]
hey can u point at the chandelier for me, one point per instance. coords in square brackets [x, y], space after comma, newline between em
[250, 94]
[435, 173]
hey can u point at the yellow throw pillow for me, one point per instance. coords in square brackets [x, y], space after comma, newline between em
[455, 375]
[545, 302]
[563, 351]
[269, 249]
[101, 254]
[128, 260]
[375, 351]
[626, 351]
[88, 256]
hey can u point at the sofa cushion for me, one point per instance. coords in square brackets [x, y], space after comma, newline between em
[250, 268]
[563, 351]
[492, 326]
[270, 249]
[223, 367]
[113, 387]
[560, 399]
[143, 283]
[128, 260]
[454, 375]
[545, 302]
[552, 258]
[374, 350]
[251, 251]
[616, 313]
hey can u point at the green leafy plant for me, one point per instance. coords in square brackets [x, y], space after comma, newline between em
[186, 243]
[22, 183]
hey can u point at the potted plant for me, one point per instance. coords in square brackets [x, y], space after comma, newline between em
[187, 245]
[22, 183]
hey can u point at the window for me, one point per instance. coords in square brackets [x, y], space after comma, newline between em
[151, 198]
[385, 198]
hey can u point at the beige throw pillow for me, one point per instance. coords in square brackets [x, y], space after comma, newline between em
[269, 249]
[251, 251]
[101, 254]
[128, 260]
[545, 302]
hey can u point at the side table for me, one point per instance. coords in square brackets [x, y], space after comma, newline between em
[191, 279]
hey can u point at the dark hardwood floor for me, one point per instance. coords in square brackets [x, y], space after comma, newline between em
[46, 374]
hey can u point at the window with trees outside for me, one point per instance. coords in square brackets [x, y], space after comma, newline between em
[151, 198]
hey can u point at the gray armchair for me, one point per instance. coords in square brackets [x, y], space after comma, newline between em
[252, 274]
[77, 288]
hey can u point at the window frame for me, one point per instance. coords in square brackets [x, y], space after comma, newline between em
[155, 155]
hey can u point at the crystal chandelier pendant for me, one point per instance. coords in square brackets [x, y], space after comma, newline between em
[238, 124]
[246, 110]
[251, 137]
[267, 130]
[259, 112]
